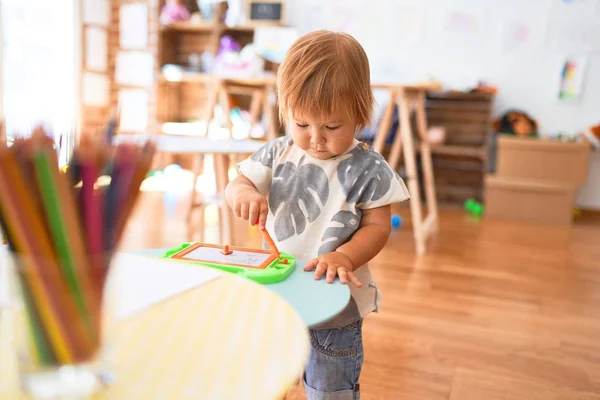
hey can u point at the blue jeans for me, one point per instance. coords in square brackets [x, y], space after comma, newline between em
[335, 362]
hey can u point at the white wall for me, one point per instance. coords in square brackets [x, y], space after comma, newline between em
[38, 64]
[408, 41]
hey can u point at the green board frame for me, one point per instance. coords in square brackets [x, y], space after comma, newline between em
[276, 271]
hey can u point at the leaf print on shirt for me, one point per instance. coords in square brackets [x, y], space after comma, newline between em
[364, 176]
[340, 234]
[297, 195]
[266, 154]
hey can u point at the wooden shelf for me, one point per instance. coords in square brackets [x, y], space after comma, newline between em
[461, 163]
[456, 193]
[205, 26]
[239, 28]
[203, 77]
[186, 26]
[185, 94]
[466, 151]
[479, 152]
[190, 77]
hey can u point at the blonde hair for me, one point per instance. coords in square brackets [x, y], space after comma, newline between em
[326, 74]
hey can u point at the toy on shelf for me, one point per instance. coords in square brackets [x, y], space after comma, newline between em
[241, 121]
[235, 61]
[596, 131]
[474, 207]
[516, 123]
[592, 135]
[208, 8]
[562, 136]
[173, 11]
[484, 87]
[262, 266]
[396, 221]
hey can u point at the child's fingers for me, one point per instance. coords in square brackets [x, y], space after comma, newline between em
[354, 280]
[263, 213]
[320, 270]
[253, 214]
[331, 273]
[237, 207]
[312, 264]
[245, 209]
[343, 274]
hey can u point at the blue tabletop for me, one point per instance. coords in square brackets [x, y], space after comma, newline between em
[315, 301]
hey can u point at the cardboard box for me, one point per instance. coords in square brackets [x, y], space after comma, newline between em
[546, 160]
[543, 202]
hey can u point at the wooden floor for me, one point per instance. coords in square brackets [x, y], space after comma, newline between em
[495, 310]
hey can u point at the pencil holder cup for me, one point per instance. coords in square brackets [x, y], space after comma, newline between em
[58, 327]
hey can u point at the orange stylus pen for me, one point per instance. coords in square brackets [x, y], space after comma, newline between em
[270, 241]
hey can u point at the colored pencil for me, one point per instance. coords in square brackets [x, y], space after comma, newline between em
[43, 263]
[63, 243]
[75, 232]
[133, 187]
[48, 307]
[92, 212]
[41, 345]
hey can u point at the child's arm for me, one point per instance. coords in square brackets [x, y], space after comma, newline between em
[371, 237]
[367, 242]
[245, 201]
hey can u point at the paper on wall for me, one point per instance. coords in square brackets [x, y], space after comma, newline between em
[133, 26]
[133, 108]
[458, 27]
[96, 48]
[575, 36]
[401, 24]
[523, 35]
[461, 23]
[95, 89]
[311, 17]
[572, 77]
[343, 16]
[134, 68]
[409, 26]
[272, 42]
[96, 12]
[574, 8]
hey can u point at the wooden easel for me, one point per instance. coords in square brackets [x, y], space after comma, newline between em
[260, 89]
[409, 98]
[218, 93]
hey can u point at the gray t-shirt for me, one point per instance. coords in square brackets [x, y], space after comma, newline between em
[315, 206]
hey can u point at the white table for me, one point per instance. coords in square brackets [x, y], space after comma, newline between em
[315, 301]
[227, 339]
[180, 144]
[200, 146]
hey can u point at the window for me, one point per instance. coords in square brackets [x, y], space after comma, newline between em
[39, 75]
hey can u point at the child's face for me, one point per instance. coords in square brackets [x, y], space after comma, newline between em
[321, 139]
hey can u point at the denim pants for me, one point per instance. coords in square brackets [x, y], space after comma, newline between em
[335, 363]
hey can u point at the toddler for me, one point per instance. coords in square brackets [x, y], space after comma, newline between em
[324, 196]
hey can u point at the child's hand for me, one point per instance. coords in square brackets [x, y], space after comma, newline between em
[251, 206]
[333, 264]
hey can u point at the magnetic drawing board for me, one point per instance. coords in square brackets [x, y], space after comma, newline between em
[238, 257]
[262, 266]
[241, 257]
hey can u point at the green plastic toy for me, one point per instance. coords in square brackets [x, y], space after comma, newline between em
[261, 266]
[474, 207]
